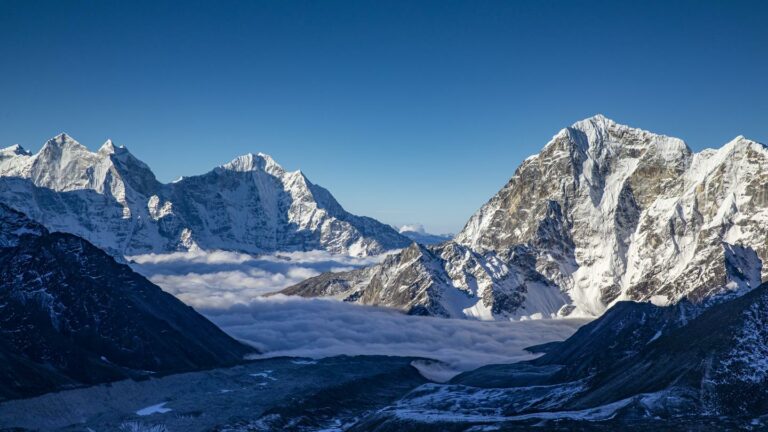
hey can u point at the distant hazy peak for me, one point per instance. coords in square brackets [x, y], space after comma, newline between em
[15, 149]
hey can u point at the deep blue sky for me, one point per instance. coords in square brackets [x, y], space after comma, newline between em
[412, 111]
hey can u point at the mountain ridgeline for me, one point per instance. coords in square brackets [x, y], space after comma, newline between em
[114, 200]
[603, 213]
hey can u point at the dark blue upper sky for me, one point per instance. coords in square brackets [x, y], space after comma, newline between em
[408, 111]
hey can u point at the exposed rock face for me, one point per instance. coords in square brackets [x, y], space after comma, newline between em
[448, 280]
[71, 315]
[604, 213]
[114, 200]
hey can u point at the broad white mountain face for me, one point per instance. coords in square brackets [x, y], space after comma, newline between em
[603, 213]
[114, 200]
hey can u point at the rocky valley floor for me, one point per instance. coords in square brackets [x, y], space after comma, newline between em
[365, 393]
[273, 394]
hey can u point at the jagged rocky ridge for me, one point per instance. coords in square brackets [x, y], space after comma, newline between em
[637, 367]
[603, 213]
[71, 315]
[114, 200]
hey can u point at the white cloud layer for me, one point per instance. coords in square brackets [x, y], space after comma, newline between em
[227, 288]
[417, 228]
[220, 279]
[292, 326]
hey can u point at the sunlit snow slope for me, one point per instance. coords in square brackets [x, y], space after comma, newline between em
[603, 213]
[114, 200]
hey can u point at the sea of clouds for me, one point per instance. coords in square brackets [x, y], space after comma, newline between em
[227, 287]
[220, 279]
[291, 326]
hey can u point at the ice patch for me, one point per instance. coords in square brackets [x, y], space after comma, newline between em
[154, 409]
[435, 371]
[304, 362]
[266, 375]
[659, 300]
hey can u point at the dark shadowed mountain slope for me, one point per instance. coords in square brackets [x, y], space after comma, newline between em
[638, 367]
[722, 354]
[71, 315]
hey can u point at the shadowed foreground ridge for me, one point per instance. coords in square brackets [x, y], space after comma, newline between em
[71, 315]
[639, 366]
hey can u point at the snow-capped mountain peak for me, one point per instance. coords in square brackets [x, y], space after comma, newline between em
[605, 212]
[616, 185]
[741, 142]
[597, 122]
[60, 139]
[108, 147]
[600, 130]
[254, 162]
[14, 150]
[249, 204]
[62, 142]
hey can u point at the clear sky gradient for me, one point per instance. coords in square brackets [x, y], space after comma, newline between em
[407, 111]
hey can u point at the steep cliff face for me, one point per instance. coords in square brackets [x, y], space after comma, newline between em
[114, 200]
[71, 315]
[644, 217]
[448, 280]
[606, 213]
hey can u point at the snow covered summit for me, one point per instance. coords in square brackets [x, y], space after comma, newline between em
[603, 213]
[113, 199]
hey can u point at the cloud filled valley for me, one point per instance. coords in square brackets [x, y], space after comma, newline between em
[227, 287]
[291, 326]
[220, 279]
